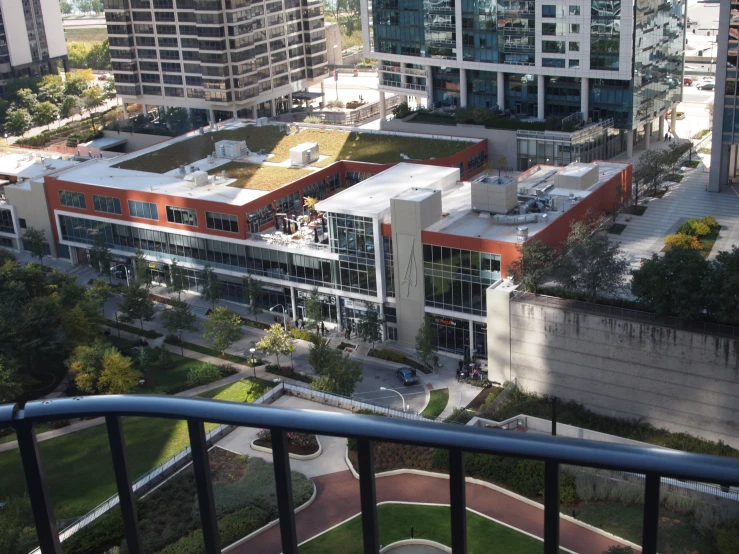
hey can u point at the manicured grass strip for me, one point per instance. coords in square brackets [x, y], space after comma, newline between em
[246, 390]
[437, 403]
[707, 242]
[215, 353]
[148, 333]
[430, 523]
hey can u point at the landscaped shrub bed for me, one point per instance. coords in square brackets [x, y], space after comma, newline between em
[148, 333]
[399, 358]
[169, 519]
[302, 444]
[304, 334]
[288, 371]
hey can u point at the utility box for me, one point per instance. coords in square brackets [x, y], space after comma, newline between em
[303, 154]
[197, 178]
[577, 176]
[497, 195]
[231, 149]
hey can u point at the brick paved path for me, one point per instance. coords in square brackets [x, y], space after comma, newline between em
[337, 499]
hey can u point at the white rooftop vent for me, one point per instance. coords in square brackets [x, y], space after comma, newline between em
[223, 174]
[183, 170]
[231, 149]
[197, 178]
[303, 154]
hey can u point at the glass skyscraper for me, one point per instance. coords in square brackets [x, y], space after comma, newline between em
[606, 59]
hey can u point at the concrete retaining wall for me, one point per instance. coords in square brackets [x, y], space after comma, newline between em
[681, 380]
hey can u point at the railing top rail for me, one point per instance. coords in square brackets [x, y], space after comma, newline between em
[577, 452]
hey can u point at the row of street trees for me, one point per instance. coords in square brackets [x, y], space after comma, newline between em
[31, 101]
[652, 167]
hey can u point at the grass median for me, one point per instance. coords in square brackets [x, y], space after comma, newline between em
[437, 403]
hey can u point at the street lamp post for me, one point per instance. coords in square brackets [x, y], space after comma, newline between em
[284, 313]
[396, 392]
[125, 272]
[117, 325]
[253, 361]
[182, 350]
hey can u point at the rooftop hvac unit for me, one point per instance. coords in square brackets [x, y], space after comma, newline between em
[262, 121]
[522, 234]
[303, 154]
[197, 178]
[183, 170]
[231, 149]
[192, 168]
[223, 174]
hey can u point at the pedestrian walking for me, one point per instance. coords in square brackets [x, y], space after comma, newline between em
[670, 138]
[323, 329]
[666, 136]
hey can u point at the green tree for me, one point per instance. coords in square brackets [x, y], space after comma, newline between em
[86, 365]
[210, 287]
[69, 107]
[369, 327]
[101, 257]
[252, 294]
[337, 372]
[18, 121]
[77, 81]
[533, 265]
[34, 240]
[648, 172]
[99, 293]
[313, 307]
[46, 113]
[92, 98]
[592, 265]
[79, 325]
[117, 375]
[426, 341]
[722, 285]
[277, 342]
[65, 6]
[177, 279]
[179, 317]
[673, 284]
[109, 89]
[11, 384]
[136, 305]
[27, 99]
[141, 272]
[51, 89]
[222, 328]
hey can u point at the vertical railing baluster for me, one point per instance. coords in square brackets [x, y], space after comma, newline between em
[368, 496]
[651, 514]
[283, 484]
[204, 486]
[126, 498]
[551, 507]
[458, 501]
[38, 490]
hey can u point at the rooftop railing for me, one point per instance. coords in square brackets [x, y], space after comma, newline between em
[654, 463]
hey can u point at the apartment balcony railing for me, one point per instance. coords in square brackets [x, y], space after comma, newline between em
[553, 451]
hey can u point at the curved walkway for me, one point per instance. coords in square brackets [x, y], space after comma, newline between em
[337, 499]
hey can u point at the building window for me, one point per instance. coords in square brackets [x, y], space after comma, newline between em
[549, 10]
[6, 222]
[182, 216]
[22, 222]
[453, 335]
[6, 242]
[575, 28]
[63, 250]
[553, 46]
[574, 10]
[259, 218]
[574, 46]
[106, 204]
[222, 222]
[552, 62]
[574, 63]
[72, 199]
[145, 210]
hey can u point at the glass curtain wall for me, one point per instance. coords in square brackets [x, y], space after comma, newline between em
[352, 237]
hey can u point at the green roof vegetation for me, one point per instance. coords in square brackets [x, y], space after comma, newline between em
[259, 177]
[335, 144]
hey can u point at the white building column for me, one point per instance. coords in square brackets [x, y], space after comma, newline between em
[211, 115]
[462, 88]
[661, 127]
[146, 110]
[629, 143]
[323, 91]
[254, 112]
[429, 87]
[235, 113]
[290, 102]
[403, 76]
[647, 135]
[673, 120]
[585, 98]
[472, 340]
[293, 304]
[501, 90]
[540, 97]
[383, 109]
[272, 109]
[125, 111]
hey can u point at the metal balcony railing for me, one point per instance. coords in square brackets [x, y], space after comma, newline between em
[553, 451]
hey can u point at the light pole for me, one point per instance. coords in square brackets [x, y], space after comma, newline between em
[396, 392]
[284, 313]
[253, 361]
[125, 272]
[182, 350]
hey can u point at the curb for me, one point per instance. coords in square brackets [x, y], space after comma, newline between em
[292, 456]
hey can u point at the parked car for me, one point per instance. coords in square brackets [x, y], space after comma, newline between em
[706, 85]
[407, 376]
[687, 81]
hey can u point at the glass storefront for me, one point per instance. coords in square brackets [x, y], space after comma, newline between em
[453, 335]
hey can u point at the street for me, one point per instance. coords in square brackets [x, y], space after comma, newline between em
[376, 376]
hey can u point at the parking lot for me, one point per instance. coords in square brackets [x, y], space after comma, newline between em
[376, 376]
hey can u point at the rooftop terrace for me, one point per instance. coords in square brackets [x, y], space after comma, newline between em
[333, 144]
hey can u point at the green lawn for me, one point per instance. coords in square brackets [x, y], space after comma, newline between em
[437, 403]
[707, 242]
[676, 534]
[430, 523]
[246, 390]
[85, 34]
[215, 353]
[78, 465]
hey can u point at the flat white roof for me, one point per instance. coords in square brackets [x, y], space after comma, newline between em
[462, 221]
[25, 167]
[371, 197]
[101, 173]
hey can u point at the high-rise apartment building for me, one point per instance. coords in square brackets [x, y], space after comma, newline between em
[31, 38]
[725, 138]
[237, 57]
[606, 59]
